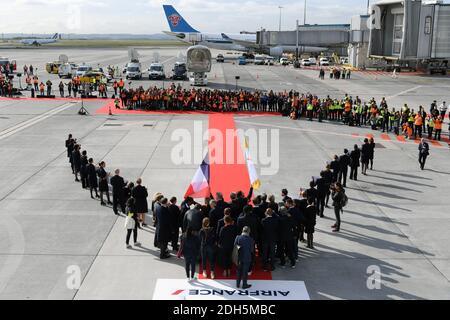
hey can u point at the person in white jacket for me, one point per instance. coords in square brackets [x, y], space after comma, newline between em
[131, 223]
[443, 109]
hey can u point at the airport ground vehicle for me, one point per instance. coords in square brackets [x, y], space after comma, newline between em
[312, 61]
[259, 60]
[156, 71]
[220, 58]
[269, 61]
[67, 70]
[82, 70]
[344, 60]
[324, 62]
[53, 67]
[305, 62]
[198, 79]
[179, 71]
[284, 61]
[242, 61]
[133, 70]
[99, 76]
[438, 66]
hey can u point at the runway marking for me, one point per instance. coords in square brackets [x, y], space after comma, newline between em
[385, 137]
[400, 139]
[30, 122]
[403, 92]
[355, 135]
[369, 136]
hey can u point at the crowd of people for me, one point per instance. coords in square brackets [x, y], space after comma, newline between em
[219, 232]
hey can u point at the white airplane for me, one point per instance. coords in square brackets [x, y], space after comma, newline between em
[181, 29]
[245, 41]
[39, 42]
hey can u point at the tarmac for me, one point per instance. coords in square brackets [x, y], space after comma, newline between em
[395, 222]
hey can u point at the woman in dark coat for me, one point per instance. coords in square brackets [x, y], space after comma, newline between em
[140, 194]
[76, 161]
[365, 154]
[227, 235]
[310, 215]
[83, 170]
[208, 247]
[92, 177]
[103, 183]
[190, 249]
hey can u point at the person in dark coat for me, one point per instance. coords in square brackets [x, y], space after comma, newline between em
[299, 220]
[185, 207]
[140, 194]
[263, 205]
[68, 142]
[190, 246]
[215, 214]
[131, 223]
[287, 234]
[208, 248]
[193, 218]
[355, 155]
[103, 183]
[118, 185]
[92, 178]
[246, 251]
[337, 196]
[76, 161]
[225, 243]
[344, 162]
[221, 222]
[334, 166]
[372, 150]
[269, 236]
[174, 212]
[83, 170]
[424, 152]
[221, 204]
[163, 228]
[328, 177]
[365, 156]
[310, 215]
[249, 219]
[322, 190]
[272, 204]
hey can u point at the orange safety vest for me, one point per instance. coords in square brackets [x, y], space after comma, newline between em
[418, 121]
[438, 124]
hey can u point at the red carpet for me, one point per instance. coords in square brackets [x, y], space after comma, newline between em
[228, 171]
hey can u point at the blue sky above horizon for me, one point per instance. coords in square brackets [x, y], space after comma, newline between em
[147, 16]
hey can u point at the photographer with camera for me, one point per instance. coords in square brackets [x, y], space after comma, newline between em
[339, 202]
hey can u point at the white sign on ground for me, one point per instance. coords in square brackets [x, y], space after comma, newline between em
[182, 289]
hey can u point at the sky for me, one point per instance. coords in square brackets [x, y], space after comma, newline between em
[147, 16]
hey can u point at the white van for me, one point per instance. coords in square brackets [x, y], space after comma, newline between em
[82, 70]
[198, 79]
[259, 60]
[133, 71]
[67, 70]
[156, 71]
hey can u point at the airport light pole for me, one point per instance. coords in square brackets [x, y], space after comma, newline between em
[296, 43]
[304, 14]
[279, 23]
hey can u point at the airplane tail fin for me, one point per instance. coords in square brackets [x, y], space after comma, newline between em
[176, 21]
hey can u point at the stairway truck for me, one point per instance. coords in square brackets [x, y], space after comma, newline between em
[198, 64]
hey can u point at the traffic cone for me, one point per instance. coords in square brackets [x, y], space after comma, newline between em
[110, 112]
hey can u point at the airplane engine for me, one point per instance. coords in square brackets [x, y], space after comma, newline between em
[198, 59]
[276, 51]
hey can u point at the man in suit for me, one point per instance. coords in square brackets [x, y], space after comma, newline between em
[269, 236]
[163, 228]
[174, 212]
[246, 250]
[221, 222]
[334, 166]
[355, 155]
[424, 152]
[185, 207]
[118, 184]
[344, 162]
